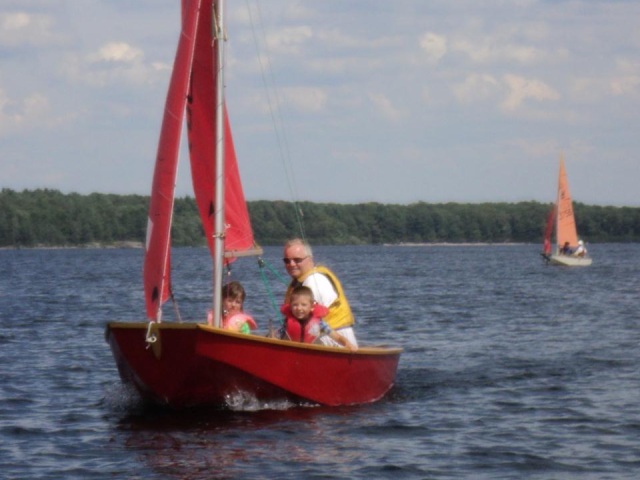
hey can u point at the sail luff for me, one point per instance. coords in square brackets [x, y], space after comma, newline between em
[156, 270]
[565, 220]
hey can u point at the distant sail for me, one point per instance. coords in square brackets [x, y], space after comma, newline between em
[546, 248]
[565, 220]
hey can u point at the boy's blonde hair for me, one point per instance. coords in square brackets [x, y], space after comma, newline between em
[302, 291]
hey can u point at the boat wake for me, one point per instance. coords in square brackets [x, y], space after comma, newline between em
[122, 397]
[241, 401]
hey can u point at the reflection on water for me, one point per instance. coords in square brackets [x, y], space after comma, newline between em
[201, 443]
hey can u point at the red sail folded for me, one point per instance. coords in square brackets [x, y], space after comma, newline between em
[201, 131]
[158, 243]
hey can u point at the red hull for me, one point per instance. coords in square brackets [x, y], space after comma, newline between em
[197, 365]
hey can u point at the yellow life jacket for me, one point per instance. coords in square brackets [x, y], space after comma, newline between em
[340, 314]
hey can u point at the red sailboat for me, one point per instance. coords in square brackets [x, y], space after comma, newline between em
[194, 364]
[569, 251]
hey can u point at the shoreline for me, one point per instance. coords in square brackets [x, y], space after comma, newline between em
[123, 244]
[461, 244]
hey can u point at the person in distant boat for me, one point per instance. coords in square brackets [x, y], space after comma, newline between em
[303, 322]
[581, 251]
[327, 289]
[566, 249]
[233, 316]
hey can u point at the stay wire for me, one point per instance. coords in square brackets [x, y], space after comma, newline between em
[276, 114]
[263, 266]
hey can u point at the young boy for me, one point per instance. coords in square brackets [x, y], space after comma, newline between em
[304, 321]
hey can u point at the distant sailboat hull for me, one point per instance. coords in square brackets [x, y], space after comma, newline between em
[569, 261]
[562, 220]
[197, 365]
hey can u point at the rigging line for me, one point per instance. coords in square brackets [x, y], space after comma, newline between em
[175, 306]
[265, 281]
[281, 136]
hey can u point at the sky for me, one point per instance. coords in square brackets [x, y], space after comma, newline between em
[344, 101]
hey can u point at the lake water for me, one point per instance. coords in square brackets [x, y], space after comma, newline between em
[511, 369]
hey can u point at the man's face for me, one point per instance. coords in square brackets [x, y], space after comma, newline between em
[296, 261]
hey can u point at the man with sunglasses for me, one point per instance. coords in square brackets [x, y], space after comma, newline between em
[327, 289]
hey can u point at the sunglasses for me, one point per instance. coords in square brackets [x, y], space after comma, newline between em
[297, 261]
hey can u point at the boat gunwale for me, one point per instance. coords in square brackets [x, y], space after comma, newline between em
[365, 350]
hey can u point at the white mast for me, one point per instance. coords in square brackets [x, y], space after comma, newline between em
[217, 12]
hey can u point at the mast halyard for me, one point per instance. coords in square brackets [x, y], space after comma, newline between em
[217, 23]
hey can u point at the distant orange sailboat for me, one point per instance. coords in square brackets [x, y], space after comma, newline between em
[569, 250]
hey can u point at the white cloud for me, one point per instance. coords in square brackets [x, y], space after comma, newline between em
[298, 10]
[114, 62]
[289, 40]
[477, 86]
[521, 89]
[587, 89]
[338, 41]
[117, 52]
[13, 22]
[627, 82]
[21, 28]
[385, 107]
[29, 112]
[434, 45]
[628, 65]
[629, 85]
[306, 99]
[491, 50]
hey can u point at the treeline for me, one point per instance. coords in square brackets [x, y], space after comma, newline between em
[46, 217]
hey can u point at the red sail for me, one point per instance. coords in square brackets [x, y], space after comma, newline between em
[201, 131]
[158, 243]
[546, 248]
[565, 220]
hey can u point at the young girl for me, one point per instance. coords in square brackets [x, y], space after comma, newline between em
[233, 316]
[304, 321]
